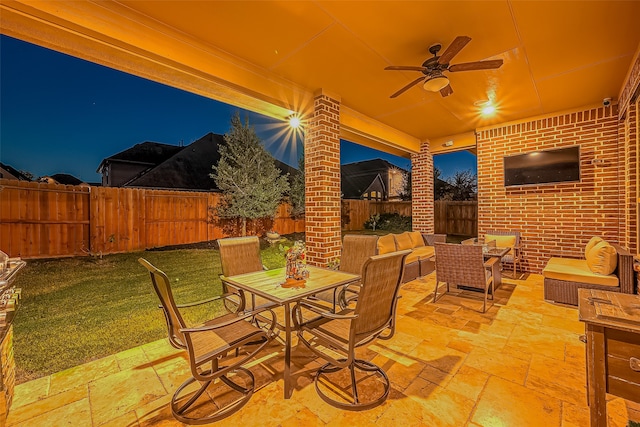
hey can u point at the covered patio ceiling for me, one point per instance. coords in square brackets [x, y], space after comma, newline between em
[272, 56]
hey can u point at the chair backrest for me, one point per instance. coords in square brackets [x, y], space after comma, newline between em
[356, 250]
[162, 287]
[460, 264]
[240, 255]
[381, 278]
[506, 233]
[431, 239]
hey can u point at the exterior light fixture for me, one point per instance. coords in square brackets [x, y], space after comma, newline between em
[294, 121]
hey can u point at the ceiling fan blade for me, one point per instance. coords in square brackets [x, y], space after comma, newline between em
[478, 65]
[446, 91]
[407, 87]
[453, 49]
[405, 68]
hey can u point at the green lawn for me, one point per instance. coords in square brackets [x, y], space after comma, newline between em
[74, 310]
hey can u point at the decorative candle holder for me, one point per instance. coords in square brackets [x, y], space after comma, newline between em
[296, 266]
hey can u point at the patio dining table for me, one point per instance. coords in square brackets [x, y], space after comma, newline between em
[267, 284]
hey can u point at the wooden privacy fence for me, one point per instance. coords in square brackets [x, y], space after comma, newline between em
[356, 212]
[39, 220]
[459, 218]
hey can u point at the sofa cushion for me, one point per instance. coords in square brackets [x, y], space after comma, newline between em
[403, 241]
[602, 258]
[416, 239]
[424, 252]
[576, 270]
[386, 244]
[594, 241]
[412, 257]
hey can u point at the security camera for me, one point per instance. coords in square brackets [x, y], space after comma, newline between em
[606, 102]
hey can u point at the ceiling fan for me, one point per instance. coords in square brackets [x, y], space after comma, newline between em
[433, 68]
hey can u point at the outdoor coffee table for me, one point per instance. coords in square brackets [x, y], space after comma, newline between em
[266, 283]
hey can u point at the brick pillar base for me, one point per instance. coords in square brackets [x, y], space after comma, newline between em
[422, 190]
[322, 181]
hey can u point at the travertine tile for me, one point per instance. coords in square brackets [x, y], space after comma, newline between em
[22, 413]
[74, 414]
[115, 395]
[558, 379]
[468, 382]
[503, 403]
[31, 391]
[498, 364]
[79, 375]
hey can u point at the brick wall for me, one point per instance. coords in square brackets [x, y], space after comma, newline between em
[322, 180]
[555, 219]
[422, 190]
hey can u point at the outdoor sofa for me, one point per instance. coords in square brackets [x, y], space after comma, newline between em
[420, 261]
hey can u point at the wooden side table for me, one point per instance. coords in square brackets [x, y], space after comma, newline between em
[612, 325]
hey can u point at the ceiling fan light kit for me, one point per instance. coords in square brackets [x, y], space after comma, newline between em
[433, 68]
[435, 83]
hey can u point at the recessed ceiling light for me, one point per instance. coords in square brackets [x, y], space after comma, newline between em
[488, 110]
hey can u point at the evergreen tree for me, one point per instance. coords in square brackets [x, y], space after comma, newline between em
[252, 187]
[296, 196]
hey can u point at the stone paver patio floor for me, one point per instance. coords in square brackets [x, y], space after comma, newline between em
[520, 364]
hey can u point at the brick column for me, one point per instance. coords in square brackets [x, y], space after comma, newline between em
[422, 190]
[322, 181]
[628, 193]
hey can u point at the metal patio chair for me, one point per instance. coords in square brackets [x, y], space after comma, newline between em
[216, 349]
[343, 332]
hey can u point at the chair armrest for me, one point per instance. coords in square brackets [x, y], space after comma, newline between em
[489, 263]
[205, 301]
[321, 310]
[241, 317]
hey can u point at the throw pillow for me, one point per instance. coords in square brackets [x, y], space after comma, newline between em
[403, 241]
[594, 241]
[602, 258]
[386, 244]
[416, 239]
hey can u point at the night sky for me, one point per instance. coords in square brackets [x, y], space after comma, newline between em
[60, 114]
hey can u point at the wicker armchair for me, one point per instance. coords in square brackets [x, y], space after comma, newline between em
[514, 255]
[464, 265]
[351, 328]
[215, 349]
[240, 255]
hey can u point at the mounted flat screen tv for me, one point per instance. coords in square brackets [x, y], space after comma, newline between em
[543, 167]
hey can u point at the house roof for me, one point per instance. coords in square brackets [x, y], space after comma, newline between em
[66, 179]
[151, 153]
[15, 172]
[358, 176]
[189, 167]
